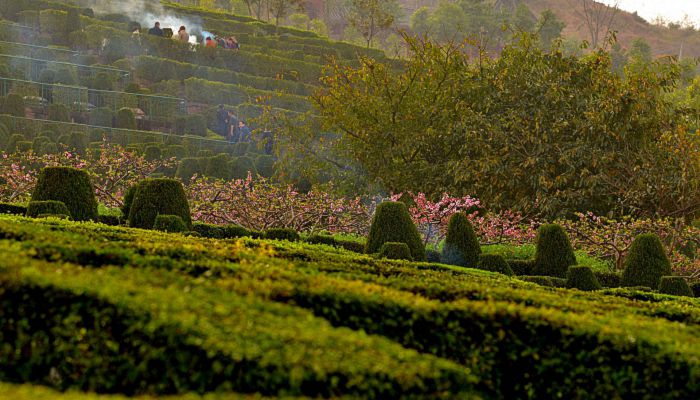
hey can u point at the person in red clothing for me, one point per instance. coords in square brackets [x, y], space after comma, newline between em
[210, 43]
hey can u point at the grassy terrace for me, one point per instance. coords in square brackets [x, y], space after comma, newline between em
[287, 318]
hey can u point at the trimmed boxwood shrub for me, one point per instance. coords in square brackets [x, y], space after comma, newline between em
[101, 117]
[128, 199]
[37, 208]
[461, 245]
[48, 215]
[351, 245]
[322, 239]
[432, 256]
[125, 119]
[49, 148]
[111, 220]
[13, 105]
[175, 150]
[13, 141]
[282, 234]
[15, 209]
[646, 262]
[218, 166]
[265, 165]
[169, 223]
[23, 145]
[395, 251]
[208, 230]
[554, 254]
[608, 279]
[59, 112]
[39, 142]
[521, 267]
[675, 285]
[236, 231]
[695, 287]
[494, 263]
[392, 223]
[187, 168]
[581, 277]
[152, 153]
[70, 186]
[196, 125]
[155, 197]
[550, 281]
[241, 166]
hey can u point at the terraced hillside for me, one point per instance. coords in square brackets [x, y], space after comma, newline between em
[118, 310]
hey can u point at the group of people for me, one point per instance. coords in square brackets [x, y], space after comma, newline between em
[230, 127]
[182, 35]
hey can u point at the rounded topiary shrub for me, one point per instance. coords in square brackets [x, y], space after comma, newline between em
[70, 186]
[554, 254]
[152, 153]
[461, 245]
[395, 251]
[54, 207]
[241, 166]
[282, 234]
[646, 262]
[169, 223]
[321, 239]
[433, 256]
[175, 150]
[265, 165]
[125, 119]
[153, 197]
[13, 105]
[101, 117]
[392, 223]
[218, 166]
[675, 285]
[59, 112]
[495, 263]
[582, 278]
[187, 168]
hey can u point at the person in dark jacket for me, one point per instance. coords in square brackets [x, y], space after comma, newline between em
[243, 132]
[222, 121]
[156, 31]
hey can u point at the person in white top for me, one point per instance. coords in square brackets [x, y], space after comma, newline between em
[182, 35]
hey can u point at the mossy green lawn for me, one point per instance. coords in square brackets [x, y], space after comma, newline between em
[295, 313]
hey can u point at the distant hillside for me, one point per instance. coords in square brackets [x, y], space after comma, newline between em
[664, 41]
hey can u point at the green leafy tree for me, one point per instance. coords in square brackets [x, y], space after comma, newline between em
[419, 21]
[549, 28]
[370, 17]
[280, 9]
[448, 22]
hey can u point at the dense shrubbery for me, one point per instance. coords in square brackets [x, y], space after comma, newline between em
[675, 285]
[395, 251]
[154, 197]
[494, 263]
[554, 253]
[70, 186]
[54, 207]
[582, 278]
[169, 223]
[646, 262]
[461, 245]
[392, 223]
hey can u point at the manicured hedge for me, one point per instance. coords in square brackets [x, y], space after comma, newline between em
[646, 262]
[282, 234]
[582, 278]
[16, 209]
[392, 223]
[395, 251]
[153, 197]
[494, 263]
[675, 285]
[169, 223]
[461, 244]
[70, 186]
[554, 253]
[37, 208]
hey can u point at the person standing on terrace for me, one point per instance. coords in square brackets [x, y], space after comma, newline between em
[156, 31]
[182, 35]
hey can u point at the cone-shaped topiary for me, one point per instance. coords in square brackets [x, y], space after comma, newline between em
[582, 278]
[461, 245]
[646, 262]
[36, 208]
[495, 263]
[392, 223]
[187, 168]
[152, 153]
[169, 223]
[59, 112]
[554, 254]
[72, 187]
[282, 234]
[125, 119]
[395, 251]
[675, 285]
[158, 196]
[218, 166]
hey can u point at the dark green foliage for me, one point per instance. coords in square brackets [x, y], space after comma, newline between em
[155, 197]
[554, 254]
[37, 208]
[608, 279]
[208, 230]
[675, 285]
[39, 142]
[175, 150]
[192, 234]
[237, 231]
[169, 223]
[395, 251]
[582, 278]
[646, 262]
[101, 117]
[549, 281]
[111, 220]
[152, 153]
[125, 119]
[77, 141]
[103, 80]
[282, 234]
[265, 165]
[495, 263]
[47, 76]
[241, 148]
[392, 223]
[204, 153]
[187, 168]
[321, 239]
[72, 187]
[48, 215]
[241, 166]
[128, 199]
[13, 105]
[13, 141]
[218, 166]
[521, 267]
[16, 209]
[59, 112]
[695, 287]
[433, 256]
[49, 148]
[196, 125]
[351, 245]
[461, 244]
[23, 145]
